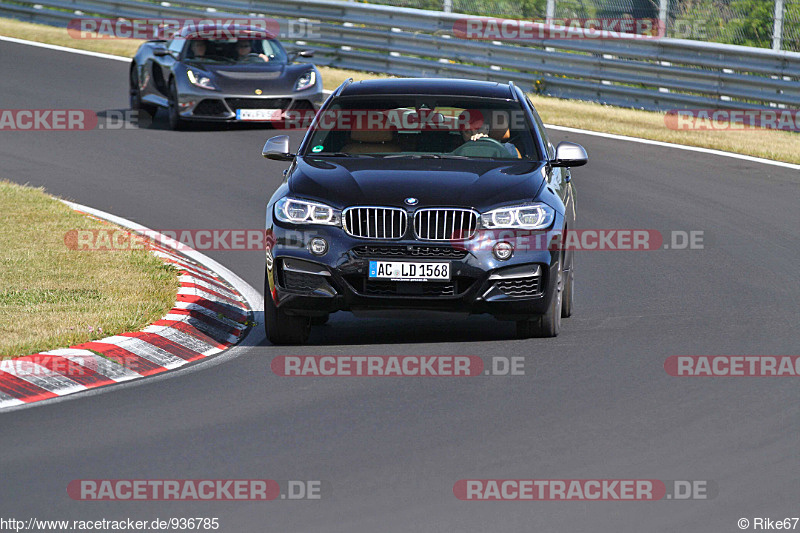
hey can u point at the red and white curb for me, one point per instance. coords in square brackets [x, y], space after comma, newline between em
[210, 315]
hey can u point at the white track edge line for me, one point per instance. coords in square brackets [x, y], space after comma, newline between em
[64, 49]
[614, 136]
[688, 148]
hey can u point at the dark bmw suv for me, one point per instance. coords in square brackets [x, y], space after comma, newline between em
[421, 194]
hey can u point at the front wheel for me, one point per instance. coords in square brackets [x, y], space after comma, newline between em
[569, 294]
[282, 328]
[135, 96]
[175, 120]
[548, 324]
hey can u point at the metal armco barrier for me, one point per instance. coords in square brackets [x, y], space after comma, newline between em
[655, 74]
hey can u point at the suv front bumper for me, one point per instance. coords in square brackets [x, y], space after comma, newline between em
[302, 283]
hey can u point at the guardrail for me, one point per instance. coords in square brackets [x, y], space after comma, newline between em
[656, 73]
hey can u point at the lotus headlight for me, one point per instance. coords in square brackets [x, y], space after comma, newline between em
[309, 79]
[200, 80]
[295, 211]
[533, 216]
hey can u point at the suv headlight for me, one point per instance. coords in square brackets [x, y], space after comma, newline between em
[200, 80]
[309, 79]
[532, 216]
[295, 211]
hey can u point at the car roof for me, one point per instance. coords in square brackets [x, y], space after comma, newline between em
[248, 32]
[427, 86]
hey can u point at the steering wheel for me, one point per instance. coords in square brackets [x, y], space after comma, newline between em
[488, 140]
[481, 145]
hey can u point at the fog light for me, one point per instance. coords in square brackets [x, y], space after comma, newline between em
[270, 259]
[502, 250]
[318, 246]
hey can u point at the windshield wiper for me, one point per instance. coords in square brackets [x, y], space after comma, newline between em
[337, 154]
[426, 156]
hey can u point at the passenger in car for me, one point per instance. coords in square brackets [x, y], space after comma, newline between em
[503, 136]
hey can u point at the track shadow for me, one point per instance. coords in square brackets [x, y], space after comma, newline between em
[346, 329]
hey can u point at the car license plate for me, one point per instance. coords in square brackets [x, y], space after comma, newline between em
[409, 271]
[259, 114]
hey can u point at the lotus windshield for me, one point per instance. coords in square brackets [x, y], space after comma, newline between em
[234, 51]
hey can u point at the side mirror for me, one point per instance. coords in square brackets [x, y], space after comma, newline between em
[569, 155]
[301, 53]
[160, 51]
[277, 148]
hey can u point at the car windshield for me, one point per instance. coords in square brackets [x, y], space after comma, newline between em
[441, 127]
[234, 51]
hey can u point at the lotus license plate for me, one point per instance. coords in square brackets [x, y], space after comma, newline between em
[259, 114]
[409, 271]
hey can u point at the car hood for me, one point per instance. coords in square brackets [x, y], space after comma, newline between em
[271, 78]
[478, 184]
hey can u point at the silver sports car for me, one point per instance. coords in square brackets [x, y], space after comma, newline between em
[244, 75]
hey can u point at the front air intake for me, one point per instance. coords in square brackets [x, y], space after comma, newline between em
[440, 224]
[375, 222]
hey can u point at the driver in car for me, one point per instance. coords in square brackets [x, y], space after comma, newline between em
[477, 139]
[198, 48]
[245, 48]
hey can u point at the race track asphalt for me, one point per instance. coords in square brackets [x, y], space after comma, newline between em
[594, 403]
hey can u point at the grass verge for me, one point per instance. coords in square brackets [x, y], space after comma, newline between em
[53, 297]
[769, 144]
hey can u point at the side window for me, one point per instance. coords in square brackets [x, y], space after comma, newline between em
[176, 45]
[551, 151]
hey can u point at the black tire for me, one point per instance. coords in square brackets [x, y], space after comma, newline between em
[567, 304]
[282, 328]
[175, 121]
[135, 97]
[548, 324]
[320, 320]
